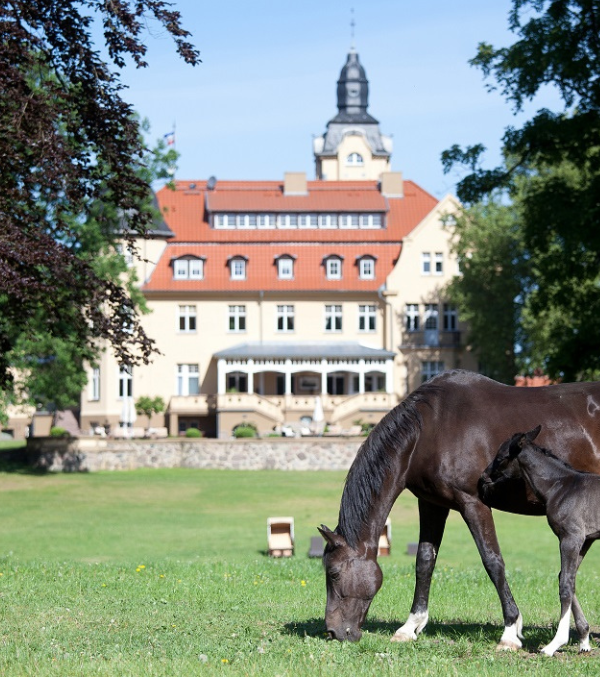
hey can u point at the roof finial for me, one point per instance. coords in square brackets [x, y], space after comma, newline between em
[352, 24]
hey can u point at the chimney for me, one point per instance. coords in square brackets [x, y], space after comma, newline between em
[294, 183]
[392, 184]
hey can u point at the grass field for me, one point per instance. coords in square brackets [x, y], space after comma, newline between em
[164, 573]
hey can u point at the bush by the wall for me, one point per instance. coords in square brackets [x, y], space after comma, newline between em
[193, 432]
[57, 431]
[245, 430]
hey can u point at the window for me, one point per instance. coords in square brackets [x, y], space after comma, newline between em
[430, 369]
[267, 220]
[238, 268]
[188, 381]
[328, 220]
[367, 317]
[308, 220]
[285, 268]
[374, 383]
[126, 252]
[333, 318]
[237, 382]
[125, 381]
[431, 316]
[349, 220]
[333, 268]
[370, 220]
[188, 269]
[285, 318]
[366, 268]
[426, 263]
[439, 263]
[450, 317]
[225, 221]
[237, 318]
[412, 317]
[288, 220]
[355, 160]
[187, 318]
[94, 384]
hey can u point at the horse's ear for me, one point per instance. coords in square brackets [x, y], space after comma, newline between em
[335, 540]
[532, 434]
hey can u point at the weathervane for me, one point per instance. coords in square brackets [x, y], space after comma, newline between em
[352, 24]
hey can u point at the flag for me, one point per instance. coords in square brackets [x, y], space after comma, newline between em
[170, 138]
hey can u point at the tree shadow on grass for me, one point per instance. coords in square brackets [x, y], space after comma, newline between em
[15, 461]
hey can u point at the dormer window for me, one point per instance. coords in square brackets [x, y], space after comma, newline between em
[285, 267]
[355, 160]
[188, 268]
[333, 267]
[366, 268]
[237, 267]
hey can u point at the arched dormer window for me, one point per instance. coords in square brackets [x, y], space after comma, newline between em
[188, 268]
[285, 266]
[366, 267]
[355, 160]
[237, 267]
[333, 266]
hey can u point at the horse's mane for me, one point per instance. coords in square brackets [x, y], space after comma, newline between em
[565, 464]
[396, 431]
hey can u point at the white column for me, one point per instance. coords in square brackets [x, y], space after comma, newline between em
[288, 377]
[389, 376]
[221, 370]
[361, 377]
[250, 366]
[323, 376]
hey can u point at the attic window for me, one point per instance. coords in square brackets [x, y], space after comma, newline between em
[285, 267]
[366, 268]
[189, 268]
[355, 160]
[237, 268]
[333, 267]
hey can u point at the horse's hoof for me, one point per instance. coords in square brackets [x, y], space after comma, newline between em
[507, 646]
[403, 637]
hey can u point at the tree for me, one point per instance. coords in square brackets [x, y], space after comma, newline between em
[149, 405]
[552, 174]
[71, 154]
[487, 242]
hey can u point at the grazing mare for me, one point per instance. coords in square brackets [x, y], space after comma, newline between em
[437, 443]
[572, 500]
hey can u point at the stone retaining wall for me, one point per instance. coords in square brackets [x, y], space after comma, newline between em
[76, 455]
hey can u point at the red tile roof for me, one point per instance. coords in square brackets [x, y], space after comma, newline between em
[186, 210]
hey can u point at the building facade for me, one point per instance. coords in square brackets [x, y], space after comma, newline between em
[271, 298]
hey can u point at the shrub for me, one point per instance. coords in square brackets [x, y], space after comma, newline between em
[193, 432]
[245, 430]
[57, 431]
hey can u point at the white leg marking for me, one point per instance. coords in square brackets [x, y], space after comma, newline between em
[584, 644]
[510, 637]
[562, 635]
[413, 627]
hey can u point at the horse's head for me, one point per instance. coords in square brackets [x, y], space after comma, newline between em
[353, 580]
[503, 467]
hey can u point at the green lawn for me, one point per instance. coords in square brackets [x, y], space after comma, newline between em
[163, 572]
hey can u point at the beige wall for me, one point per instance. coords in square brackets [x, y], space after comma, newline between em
[336, 169]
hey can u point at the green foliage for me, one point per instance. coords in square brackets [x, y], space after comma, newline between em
[489, 291]
[551, 173]
[57, 431]
[193, 432]
[147, 406]
[245, 430]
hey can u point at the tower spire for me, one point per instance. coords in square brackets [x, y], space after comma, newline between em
[352, 24]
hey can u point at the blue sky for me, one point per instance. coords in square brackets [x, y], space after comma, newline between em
[267, 83]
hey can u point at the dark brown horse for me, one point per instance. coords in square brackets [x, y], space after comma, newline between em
[437, 443]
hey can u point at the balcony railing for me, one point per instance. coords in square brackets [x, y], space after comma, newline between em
[430, 338]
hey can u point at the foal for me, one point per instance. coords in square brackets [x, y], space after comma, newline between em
[572, 501]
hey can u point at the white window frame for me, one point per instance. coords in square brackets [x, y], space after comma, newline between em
[285, 318]
[125, 382]
[187, 375]
[366, 268]
[431, 368]
[425, 263]
[438, 263]
[266, 221]
[333, 318]
[186, 319]
[308, 220]
[355, 160]
[237, 268]
[367, 317]
[94, 384]
[287, 221]
[333, 268]
[450, 317]
[285, 268]
[328, 220]
[349, 220]
[370, 221]
[236, 316]
[412, 317]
